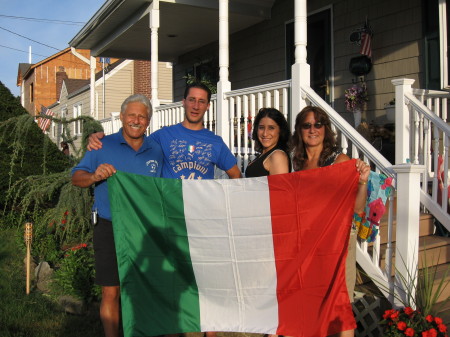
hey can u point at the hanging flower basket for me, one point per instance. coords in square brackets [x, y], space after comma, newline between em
[356, 97]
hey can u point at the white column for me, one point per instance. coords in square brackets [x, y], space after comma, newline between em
[407, 232]
[224, 85]
[92, 87]
[154, 26]
[402, 121]
[300, 69]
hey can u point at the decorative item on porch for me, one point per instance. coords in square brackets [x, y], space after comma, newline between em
[409, 322]
[378, 190]
[390, 110]
[355, 99]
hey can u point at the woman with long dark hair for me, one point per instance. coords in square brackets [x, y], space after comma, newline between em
[271, 135]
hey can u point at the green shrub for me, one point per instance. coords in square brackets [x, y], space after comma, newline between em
[75, 275]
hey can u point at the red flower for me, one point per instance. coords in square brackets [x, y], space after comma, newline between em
[66, 212]
[409, 311]
[438, 320]
[387, 313]
[394, 315]
[429, 318]
[442, 328]
[410, 332]
[432, 333]
[401, 325]
[63, 221]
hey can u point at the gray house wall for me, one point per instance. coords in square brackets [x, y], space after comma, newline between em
[258, 54]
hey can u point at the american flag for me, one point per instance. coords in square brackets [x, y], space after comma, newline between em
[366, 41]
[44, 122]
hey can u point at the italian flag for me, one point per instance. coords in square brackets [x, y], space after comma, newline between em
[264, 255]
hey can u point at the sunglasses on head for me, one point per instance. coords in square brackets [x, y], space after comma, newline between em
[307, 126]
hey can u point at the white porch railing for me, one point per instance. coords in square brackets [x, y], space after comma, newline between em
[111, 124]
[243, 106]
[429, 138]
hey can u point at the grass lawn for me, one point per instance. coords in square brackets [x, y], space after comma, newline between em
[35, 315]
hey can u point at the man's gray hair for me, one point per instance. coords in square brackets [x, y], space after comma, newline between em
[137, 98]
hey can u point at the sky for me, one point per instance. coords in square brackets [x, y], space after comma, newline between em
[14, 49]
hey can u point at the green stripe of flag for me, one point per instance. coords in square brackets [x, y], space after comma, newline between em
[146, 249]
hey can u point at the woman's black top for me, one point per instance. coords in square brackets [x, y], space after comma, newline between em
[256, 167]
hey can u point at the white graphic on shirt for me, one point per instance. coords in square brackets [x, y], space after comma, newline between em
[194, 157]
[152, 165]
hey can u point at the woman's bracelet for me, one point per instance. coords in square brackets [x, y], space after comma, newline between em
[362, 182]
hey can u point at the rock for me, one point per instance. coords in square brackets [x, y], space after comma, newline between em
[72, 305]
[43, 274]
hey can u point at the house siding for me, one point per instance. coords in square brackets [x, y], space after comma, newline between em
[43, 76]
[257, 54]
[118, 86]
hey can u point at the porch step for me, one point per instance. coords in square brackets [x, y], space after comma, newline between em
[434, 250]
[426, 227]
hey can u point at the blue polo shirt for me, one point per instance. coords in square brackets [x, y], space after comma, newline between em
[148, 160]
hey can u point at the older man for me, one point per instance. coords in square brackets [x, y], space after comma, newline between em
[128, 150]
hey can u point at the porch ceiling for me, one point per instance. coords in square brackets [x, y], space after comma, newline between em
[120, 28]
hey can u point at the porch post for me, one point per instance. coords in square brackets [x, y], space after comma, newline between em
[224, 85]
[407, 232]
[402, 121]
[93, 63]
[154, 26]
[300, 69]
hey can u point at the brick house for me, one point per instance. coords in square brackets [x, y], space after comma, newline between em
[39, 82]
[121, 79]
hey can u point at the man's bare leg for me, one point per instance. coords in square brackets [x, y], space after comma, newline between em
[109, 310]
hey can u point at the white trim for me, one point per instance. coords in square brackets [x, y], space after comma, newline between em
[443, 59]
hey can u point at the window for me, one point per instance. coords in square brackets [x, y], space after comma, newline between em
[205, 71]
[77, 124]
[63, 116]
[436, 44]
[31, 92]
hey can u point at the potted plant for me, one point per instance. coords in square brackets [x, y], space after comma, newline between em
[390, 110]
[355, 99]
[423, 295]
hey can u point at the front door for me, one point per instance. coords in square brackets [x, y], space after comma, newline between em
[318, 52]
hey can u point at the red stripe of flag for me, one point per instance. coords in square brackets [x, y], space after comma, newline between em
[44, 123]
[309, 251]
[366, 44]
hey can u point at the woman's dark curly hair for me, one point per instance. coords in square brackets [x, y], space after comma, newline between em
[298, 147]
[277, 117]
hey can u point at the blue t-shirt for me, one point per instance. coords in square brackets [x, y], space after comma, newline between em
[192, 154]
[148, 160]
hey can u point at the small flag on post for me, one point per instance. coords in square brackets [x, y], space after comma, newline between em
[366, 40]
[45, 118]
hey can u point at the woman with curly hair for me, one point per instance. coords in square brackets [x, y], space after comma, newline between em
[314, 146]
[271, 135]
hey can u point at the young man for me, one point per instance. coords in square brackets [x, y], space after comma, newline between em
[190, 150]
[128, 150]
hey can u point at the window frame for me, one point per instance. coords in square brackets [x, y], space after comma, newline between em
[77, 112]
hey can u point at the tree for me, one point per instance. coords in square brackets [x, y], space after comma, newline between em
[35, 181]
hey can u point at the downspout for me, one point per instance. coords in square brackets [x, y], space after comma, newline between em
[92, 64]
